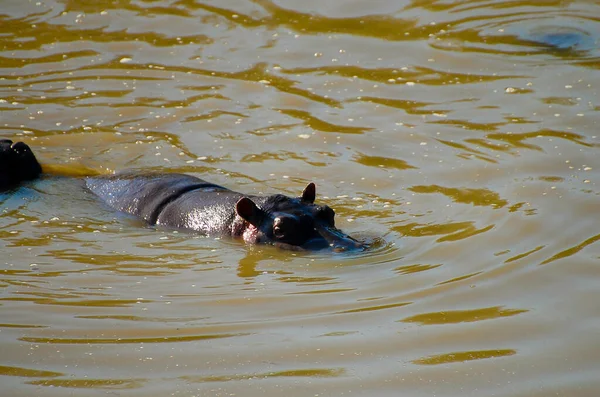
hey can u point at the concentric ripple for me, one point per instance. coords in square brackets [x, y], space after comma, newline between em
[523, 29]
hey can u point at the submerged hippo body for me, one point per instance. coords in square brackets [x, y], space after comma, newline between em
[186, 202]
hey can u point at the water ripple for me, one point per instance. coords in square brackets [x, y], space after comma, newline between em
[537, 30]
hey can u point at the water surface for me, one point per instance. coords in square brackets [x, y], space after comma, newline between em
[461, 136]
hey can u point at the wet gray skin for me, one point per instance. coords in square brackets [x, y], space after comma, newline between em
[186, 202]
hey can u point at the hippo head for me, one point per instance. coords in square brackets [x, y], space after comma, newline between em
[17, 163]
[293, 223]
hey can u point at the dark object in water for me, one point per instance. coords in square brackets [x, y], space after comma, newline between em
[561, 38]
[17, 164]
[186, 202]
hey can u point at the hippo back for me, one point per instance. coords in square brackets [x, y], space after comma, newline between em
[144, 195]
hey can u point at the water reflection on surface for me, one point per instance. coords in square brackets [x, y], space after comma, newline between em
[459, 139]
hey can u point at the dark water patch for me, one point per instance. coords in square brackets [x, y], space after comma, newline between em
[143, 318]
[393, 76]
[459, 278]
[466, 151]
[519, 140]
[81, 303]
[524, 254]
[321, 125]
[477, 197]
[573, 250]
[445, 229]
[462, 316]
[110, 384]
[295, 373]
[374, 308]
[121, 341]
[308, 280]
[69, 33]
[382, 162]
[409, 106]
[459, 357]
[379, 26]
[469, 125]
[27, 372]
[563, 101]
[467, 232]
[323, 291]
[21, 326]
[415, 268]
[552, 179]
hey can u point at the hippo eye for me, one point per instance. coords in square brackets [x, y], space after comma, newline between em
[327, 214]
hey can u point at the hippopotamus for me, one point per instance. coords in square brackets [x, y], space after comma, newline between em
[17, 164]
[186, 202]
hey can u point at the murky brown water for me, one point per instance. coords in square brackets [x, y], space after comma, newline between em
[465, 134]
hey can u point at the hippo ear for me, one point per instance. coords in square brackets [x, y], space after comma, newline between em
[309, 193]
[248, 211]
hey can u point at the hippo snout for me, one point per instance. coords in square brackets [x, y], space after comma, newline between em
[338, 240]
